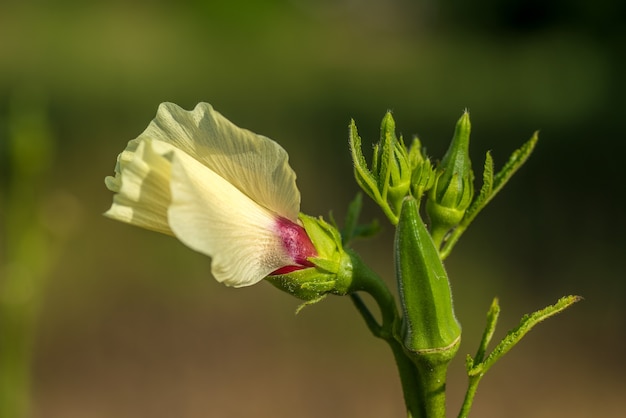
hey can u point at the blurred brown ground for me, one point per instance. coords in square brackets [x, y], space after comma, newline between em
[132, 325]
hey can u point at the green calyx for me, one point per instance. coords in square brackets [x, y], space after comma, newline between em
[453, 190]
[429, 326]
[332, 268]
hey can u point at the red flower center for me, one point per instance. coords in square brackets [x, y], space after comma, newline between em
[297, 244]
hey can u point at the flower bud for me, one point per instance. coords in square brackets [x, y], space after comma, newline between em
[423, 175]
[428, 324]
[454, 188]
[330, 271]
[389, 179]
[391, 164]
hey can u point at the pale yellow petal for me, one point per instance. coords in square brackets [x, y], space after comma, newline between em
[254, 164]
[213, 217]
[142, 188]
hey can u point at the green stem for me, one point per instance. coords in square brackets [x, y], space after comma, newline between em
[450, 242]
[474, 380]
[406, 369]
[472, 386]
[409, 378]
[432, 376]
[367, 281]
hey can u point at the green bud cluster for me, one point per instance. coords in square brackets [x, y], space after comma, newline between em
[397, 181]
[395, 171]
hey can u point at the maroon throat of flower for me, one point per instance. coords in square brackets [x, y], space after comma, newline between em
[297, 244]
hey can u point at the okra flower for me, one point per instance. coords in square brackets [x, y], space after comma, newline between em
[223, 191]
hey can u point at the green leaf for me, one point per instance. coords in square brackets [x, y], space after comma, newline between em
[477, 367]
[493, 184]
[352, 219]
[385, 148]
[485, 193]
[516, 160]
[363, 175]
[352, 229]
[492, 320]
[367, 230]
[514, 336]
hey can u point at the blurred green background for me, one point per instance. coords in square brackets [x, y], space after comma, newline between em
[124, 322]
